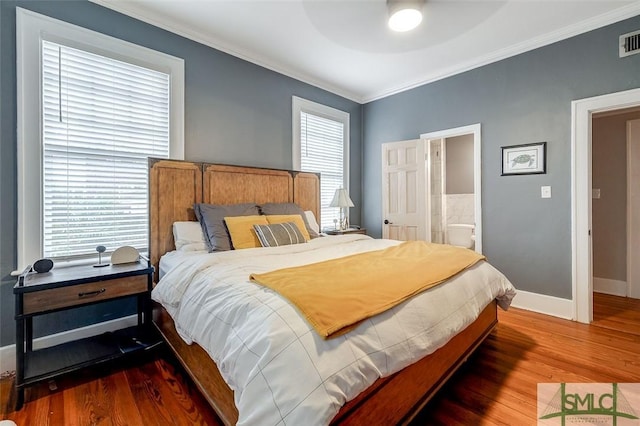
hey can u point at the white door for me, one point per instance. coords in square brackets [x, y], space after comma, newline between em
[403, 190]
[633, 208]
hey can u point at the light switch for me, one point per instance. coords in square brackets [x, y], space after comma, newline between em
[596, 193]
[545, 192]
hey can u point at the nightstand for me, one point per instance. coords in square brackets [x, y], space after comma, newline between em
[346, 231]
[68, 288]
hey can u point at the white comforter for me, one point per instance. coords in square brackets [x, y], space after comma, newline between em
[280, 369]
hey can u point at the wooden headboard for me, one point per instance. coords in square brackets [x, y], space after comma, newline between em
[175, 186]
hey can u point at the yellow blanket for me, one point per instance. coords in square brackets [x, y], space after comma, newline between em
[336, 294]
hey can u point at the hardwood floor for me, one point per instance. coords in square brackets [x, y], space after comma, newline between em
[616, 313]
[150, 390]
[497, 385]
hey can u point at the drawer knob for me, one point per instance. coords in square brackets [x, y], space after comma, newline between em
[92, 293]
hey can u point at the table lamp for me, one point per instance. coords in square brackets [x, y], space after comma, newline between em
[341, 199]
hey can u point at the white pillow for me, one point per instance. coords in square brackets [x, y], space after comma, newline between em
[194, 247]
[311, 220]
[186, 234]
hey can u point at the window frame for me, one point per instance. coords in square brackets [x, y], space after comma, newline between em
[299, 105]
[31, 29]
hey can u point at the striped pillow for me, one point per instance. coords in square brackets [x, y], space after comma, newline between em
[279, 234]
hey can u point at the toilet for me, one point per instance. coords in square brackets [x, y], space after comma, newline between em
[461, 235]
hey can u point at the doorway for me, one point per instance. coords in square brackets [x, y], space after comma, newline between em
[582, 193]
[615, 206]
[447, 199]
[451, 194]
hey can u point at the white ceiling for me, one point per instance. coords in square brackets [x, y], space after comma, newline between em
[346, 47]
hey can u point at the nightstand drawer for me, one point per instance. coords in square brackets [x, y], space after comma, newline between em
[63, 297]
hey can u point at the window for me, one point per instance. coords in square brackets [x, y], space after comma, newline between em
[89, 116]
[321, 145]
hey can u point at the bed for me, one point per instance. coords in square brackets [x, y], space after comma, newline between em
[175, 186]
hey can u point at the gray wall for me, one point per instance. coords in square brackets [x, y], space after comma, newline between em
[609, 212]
[235, 112]
[459, 168]
[523, 99]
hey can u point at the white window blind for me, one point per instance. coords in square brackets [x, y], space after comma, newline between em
[101, 119]
[322, 150]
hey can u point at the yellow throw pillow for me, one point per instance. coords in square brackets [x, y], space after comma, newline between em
[295, 218]
[241, 230]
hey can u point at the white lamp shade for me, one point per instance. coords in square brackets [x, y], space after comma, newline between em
[341, 199]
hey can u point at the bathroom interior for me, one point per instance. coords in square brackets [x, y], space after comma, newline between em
[451, 190]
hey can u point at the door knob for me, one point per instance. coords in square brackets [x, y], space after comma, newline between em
[386, 222]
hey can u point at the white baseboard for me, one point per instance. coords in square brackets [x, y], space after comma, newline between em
[607, 286]
[8, 353]
[549, 305]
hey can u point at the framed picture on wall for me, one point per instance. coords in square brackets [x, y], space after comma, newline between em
[525, 159]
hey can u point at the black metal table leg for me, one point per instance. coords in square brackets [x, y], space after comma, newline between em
[20, 326]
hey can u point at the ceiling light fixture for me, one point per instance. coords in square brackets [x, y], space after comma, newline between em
[404, 15]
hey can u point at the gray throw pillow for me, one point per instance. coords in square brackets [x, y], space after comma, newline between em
[279, 234]
[211, 218]
[287, 208]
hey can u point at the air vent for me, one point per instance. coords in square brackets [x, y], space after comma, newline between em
[630, 43]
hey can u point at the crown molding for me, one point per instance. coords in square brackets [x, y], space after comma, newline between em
[587, 25]
[582, 27]
[218, 44]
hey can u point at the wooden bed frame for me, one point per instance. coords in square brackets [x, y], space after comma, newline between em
[174, 186]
